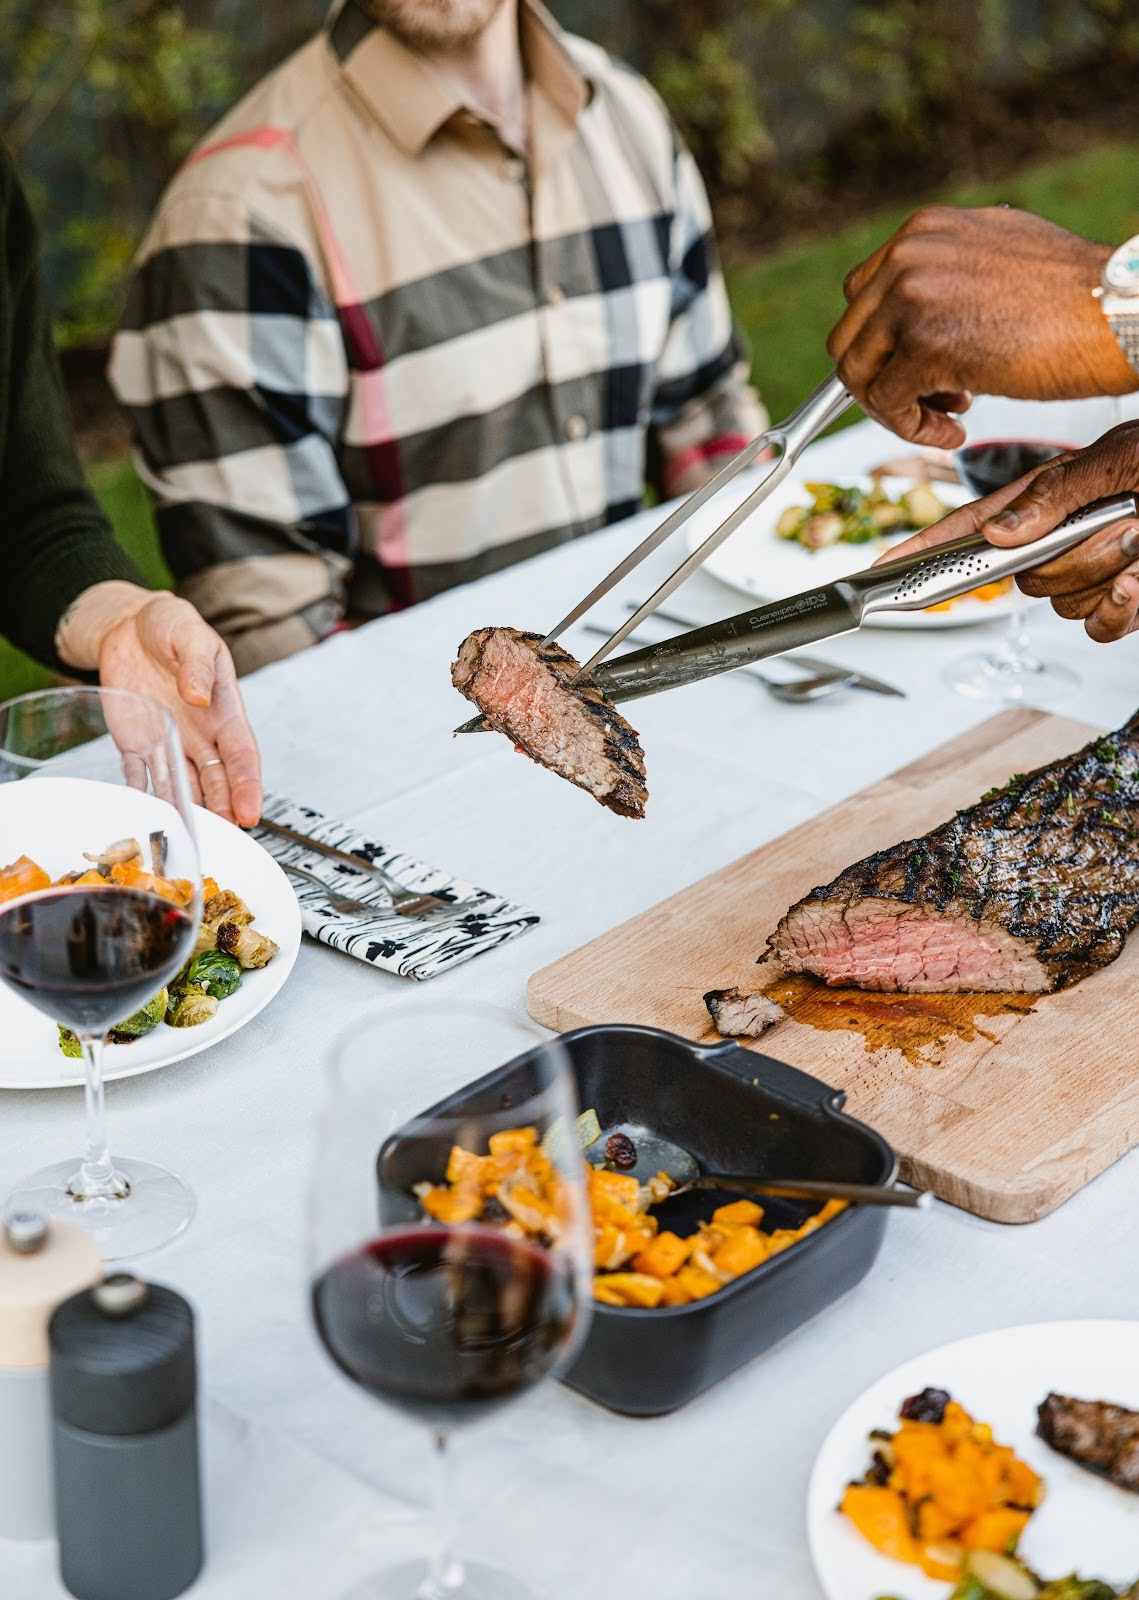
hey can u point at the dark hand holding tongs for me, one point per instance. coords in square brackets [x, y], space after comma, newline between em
[909, 583]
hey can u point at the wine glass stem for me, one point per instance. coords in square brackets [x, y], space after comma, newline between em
[1018, 644]
[96, 1178]
[445, 1574]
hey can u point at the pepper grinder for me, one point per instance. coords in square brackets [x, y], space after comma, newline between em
[40, 1265]
[125, 1442]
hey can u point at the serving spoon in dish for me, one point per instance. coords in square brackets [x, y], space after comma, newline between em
[650, 1154]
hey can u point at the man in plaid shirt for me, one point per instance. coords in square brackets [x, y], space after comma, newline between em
[440, 293]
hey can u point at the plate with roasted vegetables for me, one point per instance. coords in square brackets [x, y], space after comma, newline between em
[812, 532]
[246, 946]
[955, 1478]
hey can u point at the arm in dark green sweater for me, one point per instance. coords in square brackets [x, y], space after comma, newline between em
[54, 539]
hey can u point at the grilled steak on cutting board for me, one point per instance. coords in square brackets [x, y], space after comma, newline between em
[1100, 1436]
[1030, 889]
[526, 692]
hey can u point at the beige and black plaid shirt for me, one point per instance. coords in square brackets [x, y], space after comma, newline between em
[370, 352]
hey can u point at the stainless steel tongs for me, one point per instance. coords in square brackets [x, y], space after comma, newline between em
[789, 437]
[909, 583]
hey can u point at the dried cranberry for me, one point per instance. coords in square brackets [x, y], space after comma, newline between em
[620, 1150]
[929, 1406]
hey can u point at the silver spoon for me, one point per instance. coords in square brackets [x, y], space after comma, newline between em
[656, 1154]
[794, 691]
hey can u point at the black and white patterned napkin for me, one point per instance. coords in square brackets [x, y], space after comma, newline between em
[413, 948]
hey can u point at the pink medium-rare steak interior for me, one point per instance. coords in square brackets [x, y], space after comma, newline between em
[527, 693]
[887, 945]
[1032, 888]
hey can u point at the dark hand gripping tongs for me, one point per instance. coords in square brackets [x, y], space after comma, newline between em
[908, 584]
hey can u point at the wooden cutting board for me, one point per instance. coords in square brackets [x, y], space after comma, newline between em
[1006, 1114]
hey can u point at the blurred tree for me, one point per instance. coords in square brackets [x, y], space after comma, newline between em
[796, 110]
[99, 102]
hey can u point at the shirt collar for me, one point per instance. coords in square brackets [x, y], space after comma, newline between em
[412, 103]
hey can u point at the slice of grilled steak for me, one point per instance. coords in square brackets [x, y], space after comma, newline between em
[739, 1015]
[1100, 1436]
[525, 692]
[1031, 889]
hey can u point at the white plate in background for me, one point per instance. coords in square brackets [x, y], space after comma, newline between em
[760, 564]
[1085, 1524]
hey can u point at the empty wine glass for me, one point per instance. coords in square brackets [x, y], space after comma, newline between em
[100, 903]
[1014, 672]
[450, 1247]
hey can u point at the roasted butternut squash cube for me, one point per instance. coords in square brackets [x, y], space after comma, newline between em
[512, 1141]
[22, 876]
[743, 1249]
[696, 1283]
[997, 1530]
[673, 1293]
[637, 1288]
[451, 1205]
[663, 1256]
[740, 1214]
[463, 1166]
[880, 1516]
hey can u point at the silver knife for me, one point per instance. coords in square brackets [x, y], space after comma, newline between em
[909, 583]
[321, 849]
[858, 680]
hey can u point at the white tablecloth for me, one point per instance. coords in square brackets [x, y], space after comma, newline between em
[310, 1484]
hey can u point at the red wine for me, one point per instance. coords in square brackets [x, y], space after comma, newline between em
[91, 957]
[446, 1323]
[993, 463]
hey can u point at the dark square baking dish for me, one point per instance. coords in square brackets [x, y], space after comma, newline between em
[737, 1111]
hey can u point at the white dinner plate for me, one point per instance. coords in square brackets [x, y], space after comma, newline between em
[1085, 1524]
[30, 1057]
[757, 562]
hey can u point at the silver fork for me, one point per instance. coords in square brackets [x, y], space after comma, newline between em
[405, 902]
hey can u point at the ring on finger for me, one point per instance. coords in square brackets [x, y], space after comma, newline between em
[214, 761]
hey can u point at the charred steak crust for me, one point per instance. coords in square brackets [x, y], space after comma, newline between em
[1100, 1436]
[1032, 888]
[567, 727]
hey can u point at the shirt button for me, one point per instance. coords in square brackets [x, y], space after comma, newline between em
[576, 428]
[555, 294]
[513, 169]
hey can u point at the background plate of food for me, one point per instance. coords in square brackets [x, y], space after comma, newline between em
[249, 898]
[963, 1484]
[811, 532]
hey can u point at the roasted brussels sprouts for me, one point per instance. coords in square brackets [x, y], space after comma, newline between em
[189, 1009]
[214, 972]
[143, 1021]
[251, 948]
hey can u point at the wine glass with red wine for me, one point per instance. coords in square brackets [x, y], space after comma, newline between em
[100, 901]
[450, 1246]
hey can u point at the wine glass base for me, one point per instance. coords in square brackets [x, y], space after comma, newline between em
[156, 1208]
[411, 1581]
[1002, 679]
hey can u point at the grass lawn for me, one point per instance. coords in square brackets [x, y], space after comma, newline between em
[787, 302]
